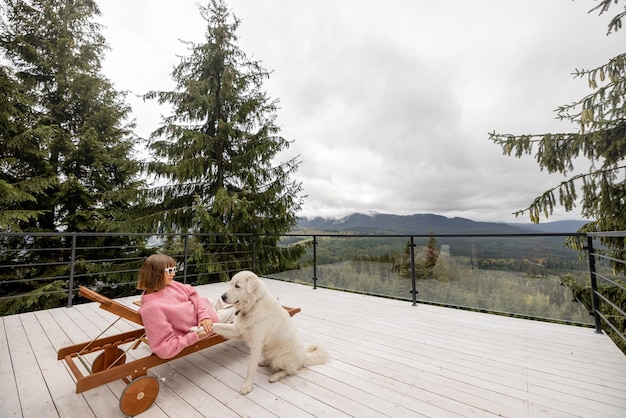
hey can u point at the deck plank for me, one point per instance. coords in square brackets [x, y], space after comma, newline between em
[9, 398]
[388, 359]
[33, 390]
[41, 329]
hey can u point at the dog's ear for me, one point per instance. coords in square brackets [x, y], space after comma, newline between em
[252, 282]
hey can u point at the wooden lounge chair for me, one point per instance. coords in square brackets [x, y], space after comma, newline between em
[110, 365]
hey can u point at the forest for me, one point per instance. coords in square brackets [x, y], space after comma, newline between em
[537, 277]
[520, 275]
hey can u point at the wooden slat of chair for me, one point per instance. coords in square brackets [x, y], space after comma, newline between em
[111, 305]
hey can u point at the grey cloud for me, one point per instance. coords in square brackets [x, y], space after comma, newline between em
[389, 105]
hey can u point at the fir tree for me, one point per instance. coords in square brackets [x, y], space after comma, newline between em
[55, 49]
[215, 153]
[72, 159]
[24, 174]
[431, 253]
[601, 139]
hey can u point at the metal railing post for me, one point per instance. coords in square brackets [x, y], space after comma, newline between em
[254, 238]
[185, 256]
[70, 285]
[314, 262]
[595, 303]
[413, 280]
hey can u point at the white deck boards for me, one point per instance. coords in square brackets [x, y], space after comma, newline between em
[389, 358]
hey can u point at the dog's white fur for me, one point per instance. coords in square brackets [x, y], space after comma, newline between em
[268, 330]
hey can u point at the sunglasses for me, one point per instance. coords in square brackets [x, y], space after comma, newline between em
[170, 270]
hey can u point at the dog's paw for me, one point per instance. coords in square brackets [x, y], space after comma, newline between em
[246, 388]
[277, 376]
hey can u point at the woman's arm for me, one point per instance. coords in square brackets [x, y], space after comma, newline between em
[204, 310]
[162, 338]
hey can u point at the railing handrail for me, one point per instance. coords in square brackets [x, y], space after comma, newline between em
[74, 246]
[596, 295]
[464, 235]
[118, 234]
[71, 249]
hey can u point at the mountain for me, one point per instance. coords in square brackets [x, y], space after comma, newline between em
[380, 223]
[556, 226]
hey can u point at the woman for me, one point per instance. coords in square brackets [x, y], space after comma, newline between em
[170, 309]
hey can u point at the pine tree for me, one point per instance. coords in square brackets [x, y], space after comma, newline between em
[55, 49]
[72, 159]
[601, 138]
[216, 153]
[431, 253]
[24, 174]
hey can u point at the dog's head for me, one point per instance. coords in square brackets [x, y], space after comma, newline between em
[243, 289]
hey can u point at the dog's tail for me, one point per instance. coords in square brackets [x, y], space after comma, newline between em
[316, 354]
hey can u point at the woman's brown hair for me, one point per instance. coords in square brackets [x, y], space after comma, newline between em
[152, 273]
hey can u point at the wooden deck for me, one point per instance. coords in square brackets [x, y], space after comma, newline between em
[389, 358]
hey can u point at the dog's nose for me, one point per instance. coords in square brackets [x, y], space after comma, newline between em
[224, 297]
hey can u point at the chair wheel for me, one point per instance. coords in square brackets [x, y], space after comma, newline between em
[100, 363]
[139, 395]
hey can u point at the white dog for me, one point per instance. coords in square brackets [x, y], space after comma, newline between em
[268, 330]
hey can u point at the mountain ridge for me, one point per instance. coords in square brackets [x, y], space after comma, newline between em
[427, 223]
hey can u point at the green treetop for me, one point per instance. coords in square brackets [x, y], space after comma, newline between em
[24, 174]
[81, 150]
[215, 154]
[601, 138]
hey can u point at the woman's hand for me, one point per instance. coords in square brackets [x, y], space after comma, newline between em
[207, 326]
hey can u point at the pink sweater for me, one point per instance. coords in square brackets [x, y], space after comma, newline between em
[168, 314]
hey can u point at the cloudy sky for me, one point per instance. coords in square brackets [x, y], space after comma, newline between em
[389, 104]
